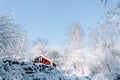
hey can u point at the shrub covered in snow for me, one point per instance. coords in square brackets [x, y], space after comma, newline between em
[13, 69]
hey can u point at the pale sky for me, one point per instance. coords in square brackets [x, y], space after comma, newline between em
[50, 18]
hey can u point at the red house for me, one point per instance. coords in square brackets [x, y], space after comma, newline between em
[44, 60]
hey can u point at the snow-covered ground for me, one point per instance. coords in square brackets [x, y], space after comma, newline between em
[13, 69]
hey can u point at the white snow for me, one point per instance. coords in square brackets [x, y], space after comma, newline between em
[13, 69]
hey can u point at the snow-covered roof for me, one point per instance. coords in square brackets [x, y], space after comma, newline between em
[44, 57]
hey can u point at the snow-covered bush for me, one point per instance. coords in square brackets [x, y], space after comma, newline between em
[105, 76]
[13, 69]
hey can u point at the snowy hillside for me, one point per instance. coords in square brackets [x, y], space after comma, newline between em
[12, 69]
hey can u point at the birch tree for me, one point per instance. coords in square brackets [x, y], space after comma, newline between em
[104, 39]
[74, 45]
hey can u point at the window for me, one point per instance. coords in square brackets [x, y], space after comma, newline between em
[40, 58]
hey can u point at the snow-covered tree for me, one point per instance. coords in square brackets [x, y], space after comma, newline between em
[74, 53]
[12, 37]
[55, 54]
[104, 60]
[104, 44]
[104, 39]
[74, 37]
[40, 47]
[112, 7]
